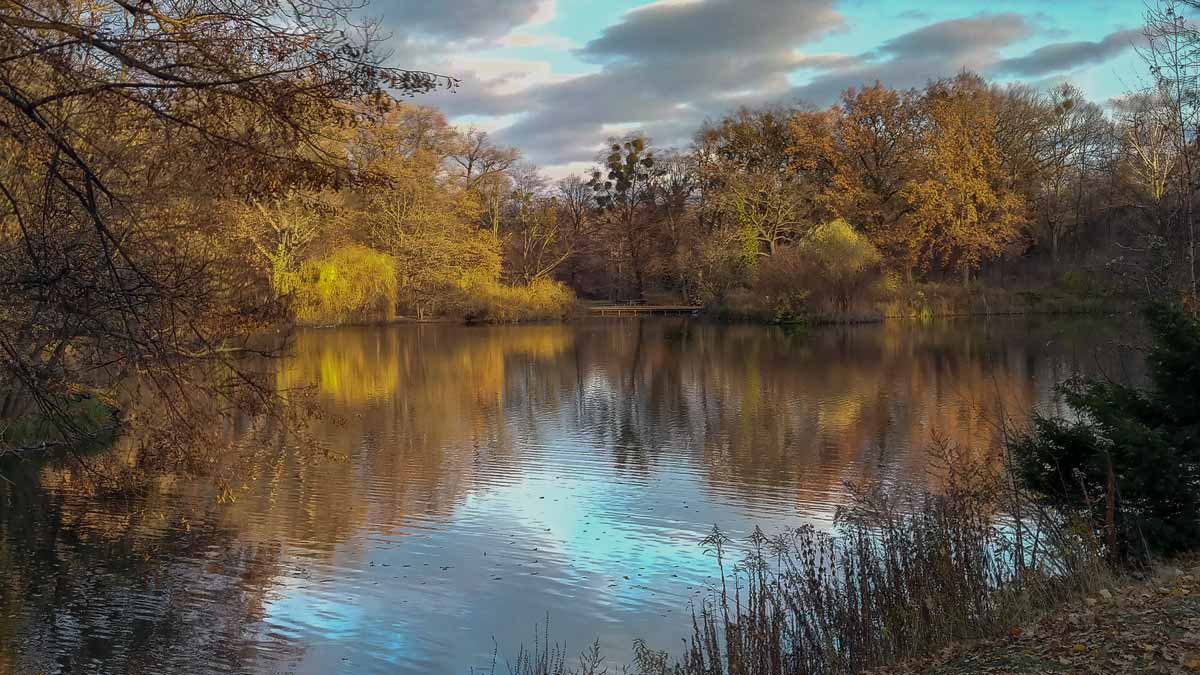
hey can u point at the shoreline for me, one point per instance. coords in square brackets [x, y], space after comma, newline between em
[744, 318]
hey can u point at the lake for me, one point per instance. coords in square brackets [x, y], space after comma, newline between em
[465, 483]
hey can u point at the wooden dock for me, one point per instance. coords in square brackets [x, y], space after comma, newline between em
[631, 309]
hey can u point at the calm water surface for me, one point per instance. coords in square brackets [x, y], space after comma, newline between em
[468, 481]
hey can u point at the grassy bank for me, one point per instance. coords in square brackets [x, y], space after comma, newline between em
[1149, 623]
[923, 301]
[923, 584]
[901, 577]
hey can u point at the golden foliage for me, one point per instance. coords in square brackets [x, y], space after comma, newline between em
[965, 212]
[541, 299]
[878, 142]
[831, 270]
[353, 283]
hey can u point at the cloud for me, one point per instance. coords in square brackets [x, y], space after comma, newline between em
[666, 66]
[912, 59]
[461, 19]
[529, 40]
[654, 73]
[959, 36]
[675, 30]
[1062, 56]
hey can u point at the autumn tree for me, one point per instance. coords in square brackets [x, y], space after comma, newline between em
[624, 195]
[831, 271]
[1173, 44]
[877, 144]
[1067, 137]
[574, 198]
[119, 124]
[484, 170]
[764, 173]
[965, 209]
[1144, 128]
[534, 236]
[281, 232]
[419, 214]
[478, 158]
[673, 198]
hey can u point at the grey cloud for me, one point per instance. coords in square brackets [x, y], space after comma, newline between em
[947, 38]
[649, 72]
[899, 74]
[660, 97]
[455, 19]
[912, 59]
[474, 97]
[731, 26]
[1067, 55]
[666, 67]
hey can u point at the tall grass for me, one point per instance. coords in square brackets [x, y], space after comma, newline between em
[901, 576]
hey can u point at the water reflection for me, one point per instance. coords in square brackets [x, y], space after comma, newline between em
[466, 481]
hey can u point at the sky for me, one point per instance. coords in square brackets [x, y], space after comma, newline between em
[556, 78]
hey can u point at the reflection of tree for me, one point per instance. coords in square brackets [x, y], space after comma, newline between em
[409, 410]
[420, 417]
[762, 407]
[147, 583]
[92, 586]
[864, 400]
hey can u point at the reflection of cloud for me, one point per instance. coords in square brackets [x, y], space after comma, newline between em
[494, 474]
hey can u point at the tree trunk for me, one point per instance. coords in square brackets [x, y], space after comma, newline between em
[1110, 511]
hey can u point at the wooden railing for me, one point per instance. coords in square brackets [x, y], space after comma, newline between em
[639, 307]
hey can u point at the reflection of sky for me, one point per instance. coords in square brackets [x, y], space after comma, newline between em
[566, 520]
[494, 475]
[608, 553]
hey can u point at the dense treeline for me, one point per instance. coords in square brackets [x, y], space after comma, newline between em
[782, 211]
[179, 179]
[429, 222]
[777, 211]
[962, 180]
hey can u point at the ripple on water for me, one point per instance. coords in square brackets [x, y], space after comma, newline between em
[483, 478]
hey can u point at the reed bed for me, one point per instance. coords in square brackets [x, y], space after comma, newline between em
[901, 575]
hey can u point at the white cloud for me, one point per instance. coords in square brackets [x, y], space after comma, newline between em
[546, 12]
[528, 40]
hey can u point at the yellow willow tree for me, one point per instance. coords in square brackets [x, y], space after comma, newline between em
[965, 210]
